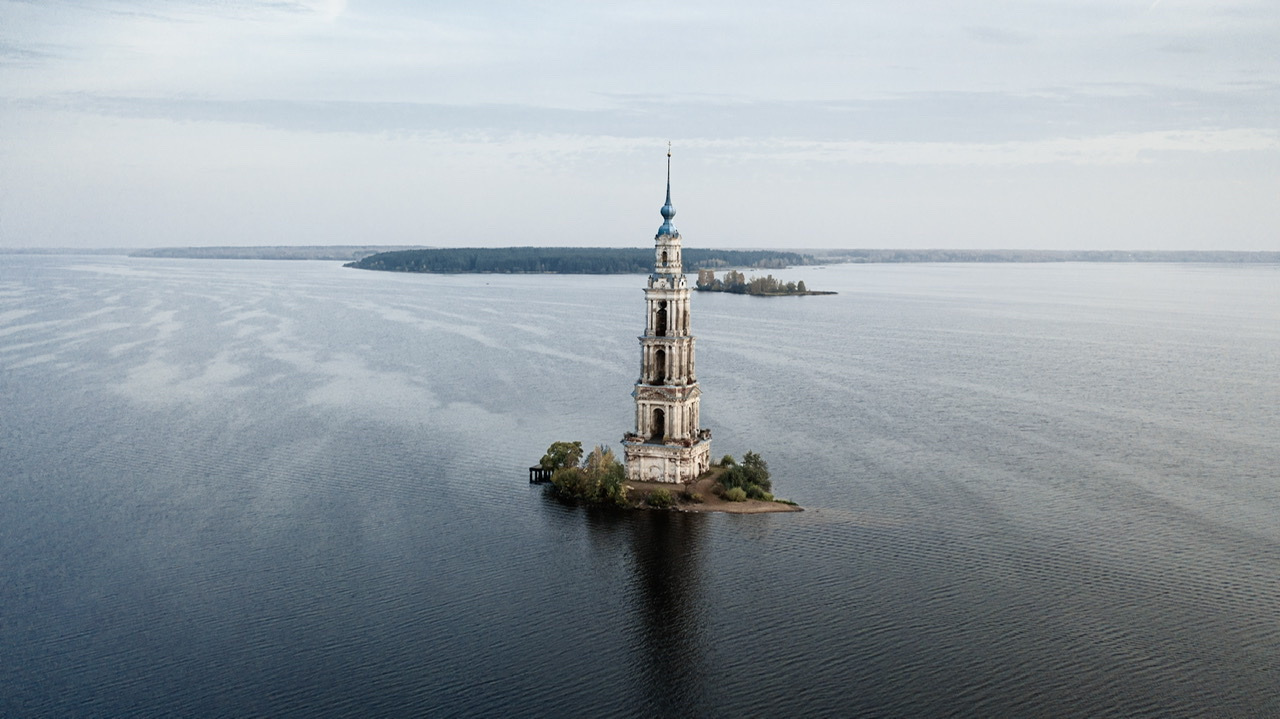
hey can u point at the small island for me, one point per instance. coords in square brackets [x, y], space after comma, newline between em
[600, 479]
[766, 286]
[666, 461]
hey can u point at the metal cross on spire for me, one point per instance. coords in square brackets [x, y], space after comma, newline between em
[668, 172]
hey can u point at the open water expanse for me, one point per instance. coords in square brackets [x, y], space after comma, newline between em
[234, 488]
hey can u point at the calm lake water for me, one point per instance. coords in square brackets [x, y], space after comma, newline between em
[287, 488]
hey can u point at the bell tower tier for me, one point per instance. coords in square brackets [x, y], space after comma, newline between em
[668, 444]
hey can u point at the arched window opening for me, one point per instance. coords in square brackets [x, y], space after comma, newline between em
[660, 328]
[658, 425]
[664, 257]
[660, 367]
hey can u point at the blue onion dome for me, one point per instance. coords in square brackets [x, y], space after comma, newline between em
[667, 213]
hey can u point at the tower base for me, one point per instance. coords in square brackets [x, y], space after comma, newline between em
[674, 463]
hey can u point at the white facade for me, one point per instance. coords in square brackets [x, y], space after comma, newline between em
[667, 444]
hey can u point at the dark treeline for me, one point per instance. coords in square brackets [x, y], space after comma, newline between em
[566, 260]
[1047, 256]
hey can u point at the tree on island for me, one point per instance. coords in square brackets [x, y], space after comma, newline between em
[736, 283]
[561, 454]
[747, 480]
[600, 479]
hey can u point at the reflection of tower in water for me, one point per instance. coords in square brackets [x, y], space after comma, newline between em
[670, 611]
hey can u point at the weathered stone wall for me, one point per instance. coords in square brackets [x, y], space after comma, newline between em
[665, 463]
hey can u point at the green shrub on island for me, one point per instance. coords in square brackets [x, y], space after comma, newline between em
[599, 480]
[753, 471]
[748, 479]
[571, 482]
[660, 499]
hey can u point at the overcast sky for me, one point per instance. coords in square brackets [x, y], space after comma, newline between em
[1093, 124]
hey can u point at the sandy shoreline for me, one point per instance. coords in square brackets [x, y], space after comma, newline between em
[710, 502]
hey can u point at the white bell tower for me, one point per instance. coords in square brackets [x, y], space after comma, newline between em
[667, 444]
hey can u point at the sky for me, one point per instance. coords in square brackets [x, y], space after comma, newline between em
[1026, 124]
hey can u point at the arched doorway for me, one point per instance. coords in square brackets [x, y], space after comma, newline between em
[658, 425]
[660, 328]
[660, 367]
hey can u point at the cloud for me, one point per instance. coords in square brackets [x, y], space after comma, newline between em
[1118, 149]
[240, 112]
[330, 10]
[998, 36]
[11, 54]
[1183, 46]
[952, 117]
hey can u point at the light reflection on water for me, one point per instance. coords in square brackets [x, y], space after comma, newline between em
[289, 488]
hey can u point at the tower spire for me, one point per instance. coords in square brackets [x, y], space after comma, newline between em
[668, 210]
[668, 172]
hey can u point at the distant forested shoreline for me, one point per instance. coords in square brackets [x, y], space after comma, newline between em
[610, 260]
[567, 260]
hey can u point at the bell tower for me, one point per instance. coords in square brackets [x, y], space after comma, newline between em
[667, 444]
